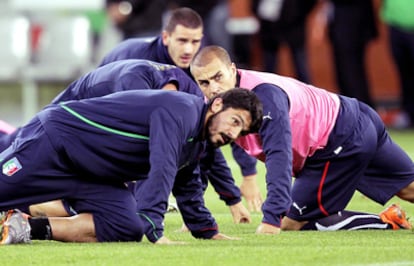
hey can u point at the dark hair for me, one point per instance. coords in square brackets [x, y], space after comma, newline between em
[183, 16]
[244, 99]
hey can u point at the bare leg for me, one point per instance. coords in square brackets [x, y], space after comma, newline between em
[291, 225]
[78, 228]
[51, 209]
[407, 193]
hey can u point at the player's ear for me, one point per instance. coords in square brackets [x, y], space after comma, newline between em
[233, 68]
[165, 35]
[217, 105]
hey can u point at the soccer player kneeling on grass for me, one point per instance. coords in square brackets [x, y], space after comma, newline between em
[333, 145]
[98, 144]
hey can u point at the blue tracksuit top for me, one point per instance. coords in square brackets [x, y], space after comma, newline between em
[133, 135]
[133, 74]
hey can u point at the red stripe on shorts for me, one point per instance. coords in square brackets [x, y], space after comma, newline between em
[325, 172]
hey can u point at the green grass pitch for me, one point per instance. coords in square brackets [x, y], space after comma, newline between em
[289, 248]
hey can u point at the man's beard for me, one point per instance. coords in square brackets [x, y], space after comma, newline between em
[225, 138]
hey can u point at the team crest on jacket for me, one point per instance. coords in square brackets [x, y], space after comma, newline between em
[11, 167]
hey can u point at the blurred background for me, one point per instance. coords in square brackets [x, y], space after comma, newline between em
[47, 44]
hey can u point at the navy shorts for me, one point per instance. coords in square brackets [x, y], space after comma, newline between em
[33, 172]
[364, 158]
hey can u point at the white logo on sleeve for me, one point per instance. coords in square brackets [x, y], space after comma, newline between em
[267, 116]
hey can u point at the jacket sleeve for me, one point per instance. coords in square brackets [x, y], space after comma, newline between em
[215, 169]
[165, 143]
[276, 139]
[246, 162]
[189, 193]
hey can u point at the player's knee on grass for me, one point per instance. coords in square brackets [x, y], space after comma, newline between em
[116, 227]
